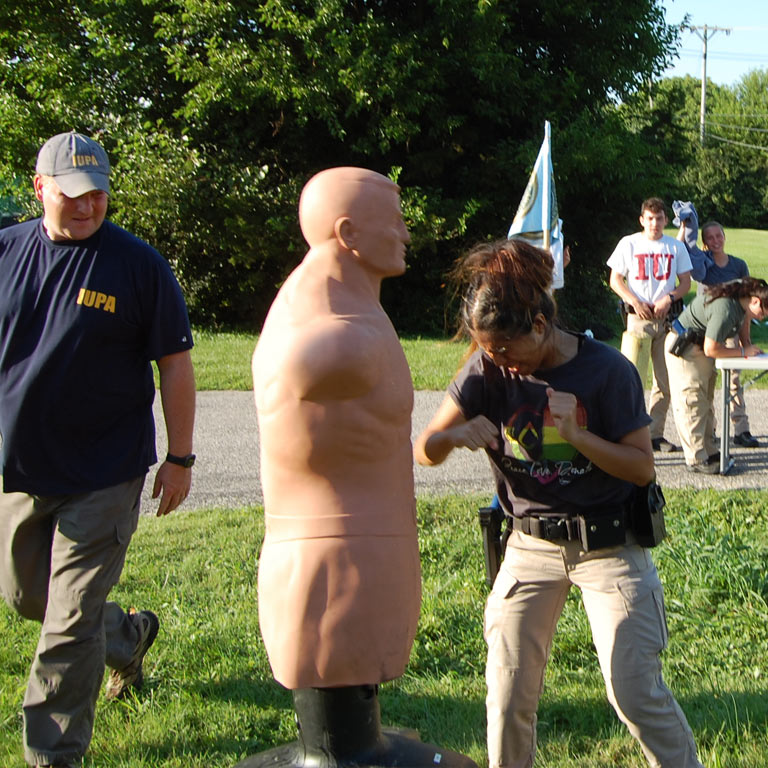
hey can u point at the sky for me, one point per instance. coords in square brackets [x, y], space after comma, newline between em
[729, 56]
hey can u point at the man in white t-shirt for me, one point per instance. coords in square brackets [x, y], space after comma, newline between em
[649, 272]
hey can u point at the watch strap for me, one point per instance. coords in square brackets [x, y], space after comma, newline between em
[182, 461]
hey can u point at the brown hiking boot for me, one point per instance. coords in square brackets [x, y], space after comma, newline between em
[120, 680]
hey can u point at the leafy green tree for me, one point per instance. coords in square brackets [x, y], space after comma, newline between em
[726, 177]
[731, 172]
[216, 112]
[665, 114]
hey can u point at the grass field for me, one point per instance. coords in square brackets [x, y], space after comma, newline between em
[210, 700]
[223, 360]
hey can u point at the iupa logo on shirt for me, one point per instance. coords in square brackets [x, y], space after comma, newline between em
[96, 300]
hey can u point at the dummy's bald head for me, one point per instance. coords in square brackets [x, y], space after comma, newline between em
[339, 193]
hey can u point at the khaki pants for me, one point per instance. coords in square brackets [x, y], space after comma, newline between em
[623, 599]
[59, 558]
[659, 400]
[693, 378]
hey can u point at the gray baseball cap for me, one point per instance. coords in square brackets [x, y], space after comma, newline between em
[77, 163]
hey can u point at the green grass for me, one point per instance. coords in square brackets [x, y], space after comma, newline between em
[223, 360]
[433, 362]
[750, 245]
[209, 699]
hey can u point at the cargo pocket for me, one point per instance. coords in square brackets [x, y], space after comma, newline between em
[126, 526]
[503, 588]
[644, 607]
[128, 522]
[658, 599]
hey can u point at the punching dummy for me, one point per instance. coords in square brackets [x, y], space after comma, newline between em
[339, 573]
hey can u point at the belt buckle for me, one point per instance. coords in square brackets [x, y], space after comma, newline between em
[560, 529]
[549, 529]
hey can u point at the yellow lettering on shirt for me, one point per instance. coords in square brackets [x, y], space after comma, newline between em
[97, 300]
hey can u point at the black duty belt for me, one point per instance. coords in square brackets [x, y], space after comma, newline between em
[607, 528]
[549, 528]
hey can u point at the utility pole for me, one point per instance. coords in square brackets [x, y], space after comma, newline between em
[705, 34]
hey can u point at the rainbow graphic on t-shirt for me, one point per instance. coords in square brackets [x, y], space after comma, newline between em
[530, 442]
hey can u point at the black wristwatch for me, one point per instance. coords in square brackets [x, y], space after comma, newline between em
[183, 461]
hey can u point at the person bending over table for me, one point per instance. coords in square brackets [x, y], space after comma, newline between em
[697, 337]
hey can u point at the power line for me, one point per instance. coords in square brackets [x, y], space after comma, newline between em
[739, 114]
[725, 56]
[736, 127]
[737, 143]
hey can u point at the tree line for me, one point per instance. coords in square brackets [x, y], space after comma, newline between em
[216, 112]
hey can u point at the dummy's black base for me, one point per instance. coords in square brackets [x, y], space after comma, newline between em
[341, 727]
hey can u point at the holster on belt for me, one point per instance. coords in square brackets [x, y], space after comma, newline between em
[685, 339]
[495, 534]
[647, 515]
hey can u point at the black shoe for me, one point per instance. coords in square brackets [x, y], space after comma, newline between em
[714, 458]
[705, 468]
[745, 440]
[663, 445]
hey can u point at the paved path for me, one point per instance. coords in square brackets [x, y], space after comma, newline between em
[227, 470]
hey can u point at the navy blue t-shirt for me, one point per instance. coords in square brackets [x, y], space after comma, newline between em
[80, 322]
[536, 471]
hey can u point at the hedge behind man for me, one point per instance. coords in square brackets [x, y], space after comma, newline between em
[84, 309]
[650, 271]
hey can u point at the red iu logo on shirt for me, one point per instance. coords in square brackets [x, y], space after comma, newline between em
[661, 266]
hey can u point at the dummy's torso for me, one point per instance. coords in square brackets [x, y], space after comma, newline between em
[339, 579]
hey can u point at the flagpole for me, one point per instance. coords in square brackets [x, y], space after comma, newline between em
[546, 214]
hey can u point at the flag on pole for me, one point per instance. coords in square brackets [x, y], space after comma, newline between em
[537, 219]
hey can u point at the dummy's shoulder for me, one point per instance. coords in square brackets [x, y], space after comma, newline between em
[331, 358]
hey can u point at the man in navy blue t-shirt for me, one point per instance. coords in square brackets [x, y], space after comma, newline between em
[84, 308]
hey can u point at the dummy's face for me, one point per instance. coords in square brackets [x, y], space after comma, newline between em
[714, 239]
[653, 224]
[522, 354]
[70, 218]
[381, 235]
